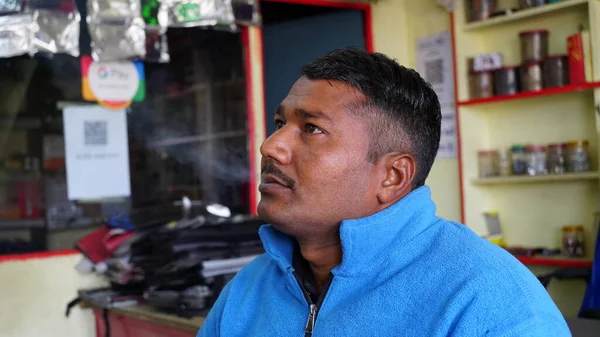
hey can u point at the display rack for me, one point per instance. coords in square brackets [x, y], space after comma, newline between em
[532, 210]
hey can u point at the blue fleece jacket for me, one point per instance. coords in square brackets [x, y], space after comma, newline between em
[404, 272]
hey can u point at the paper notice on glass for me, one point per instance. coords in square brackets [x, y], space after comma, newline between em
[434, 63]
[96, 151]
[448, 139]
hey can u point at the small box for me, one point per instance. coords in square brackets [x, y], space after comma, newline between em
[485, 62]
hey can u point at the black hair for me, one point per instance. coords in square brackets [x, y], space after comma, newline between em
[408, 108]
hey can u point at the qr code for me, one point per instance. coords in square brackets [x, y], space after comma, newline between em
[434, 71]
[96, 132]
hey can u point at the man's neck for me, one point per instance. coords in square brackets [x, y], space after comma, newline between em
[321, 257]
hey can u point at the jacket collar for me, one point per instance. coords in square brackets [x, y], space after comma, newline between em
[365, 241]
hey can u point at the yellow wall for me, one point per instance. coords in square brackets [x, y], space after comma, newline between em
[34, 294]
[397, 25]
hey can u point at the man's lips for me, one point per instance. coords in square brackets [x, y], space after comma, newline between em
[272, 179]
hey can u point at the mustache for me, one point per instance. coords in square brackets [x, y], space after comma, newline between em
[272, 169]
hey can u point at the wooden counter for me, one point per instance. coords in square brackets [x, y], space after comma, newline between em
[143, 320]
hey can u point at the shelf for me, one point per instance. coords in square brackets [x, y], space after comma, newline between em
[537, 179]
[532, 94]
[525, 13]
[556, 261]
[19, 224]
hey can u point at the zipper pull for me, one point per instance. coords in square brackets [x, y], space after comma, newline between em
[310, 323]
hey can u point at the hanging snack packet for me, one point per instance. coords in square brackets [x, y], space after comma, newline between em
[117, 29]
[16, 34]
[194, 13]
[58, 31]
[11, 7]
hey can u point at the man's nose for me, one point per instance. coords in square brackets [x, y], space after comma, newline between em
[278, 147]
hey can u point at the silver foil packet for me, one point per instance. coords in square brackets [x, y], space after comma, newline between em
[58, 32]
[194, 13]
[113, 9]
[11, 6]
[117, 29]
[17, 34]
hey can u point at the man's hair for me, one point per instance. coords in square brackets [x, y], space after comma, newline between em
[407, 109]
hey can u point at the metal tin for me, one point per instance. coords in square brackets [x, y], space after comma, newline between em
[531, 3]
[534, 45]
[481, 9]
[506, 81]
[556, 71]
[531, 76]
[481, 84]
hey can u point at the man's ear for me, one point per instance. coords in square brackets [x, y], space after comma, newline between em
[400, 173]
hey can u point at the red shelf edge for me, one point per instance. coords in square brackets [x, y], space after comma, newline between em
[541, 261]
[531, 94]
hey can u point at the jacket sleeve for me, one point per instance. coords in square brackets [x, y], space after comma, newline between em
[211, 327]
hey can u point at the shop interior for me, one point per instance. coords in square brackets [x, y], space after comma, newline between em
[520, 142]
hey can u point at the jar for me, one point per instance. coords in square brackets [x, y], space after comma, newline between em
[572, 240]
[555, 71]
[534, 45]
[531, 76]
[481, 84]
[504, 162]
[536, 160]
[557, 154]
[506, 81]
[481, 9]
[519, 159]
[577, 156]
[488, 163]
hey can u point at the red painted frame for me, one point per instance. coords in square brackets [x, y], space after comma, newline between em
[457, 118]
[366, 8]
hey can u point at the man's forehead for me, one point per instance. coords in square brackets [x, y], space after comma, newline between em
[325, 95]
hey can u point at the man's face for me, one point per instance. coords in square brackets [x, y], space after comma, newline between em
[315, 171]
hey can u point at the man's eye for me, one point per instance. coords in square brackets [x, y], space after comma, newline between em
[279, 124]
[310, 128]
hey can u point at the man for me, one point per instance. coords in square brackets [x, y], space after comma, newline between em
[354, 247]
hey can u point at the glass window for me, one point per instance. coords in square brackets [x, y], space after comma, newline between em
[188, 137]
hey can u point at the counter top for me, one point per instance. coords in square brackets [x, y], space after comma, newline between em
[146, 313]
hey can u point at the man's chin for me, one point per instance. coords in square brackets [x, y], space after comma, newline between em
[272, 215]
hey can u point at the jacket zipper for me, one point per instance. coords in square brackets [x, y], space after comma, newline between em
[313, 309]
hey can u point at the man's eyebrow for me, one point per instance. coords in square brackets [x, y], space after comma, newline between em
[312, 114]
[279, 111]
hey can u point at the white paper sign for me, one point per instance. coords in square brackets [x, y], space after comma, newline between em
[448, 138]
[113, 81]
[96, 151]
[434, 63]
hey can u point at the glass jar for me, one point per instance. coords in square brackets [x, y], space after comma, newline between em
[488, 163]
[504, 162]
[577, 156]
[536, 160]
[572, 240]
[557, 153]
[519, 159]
